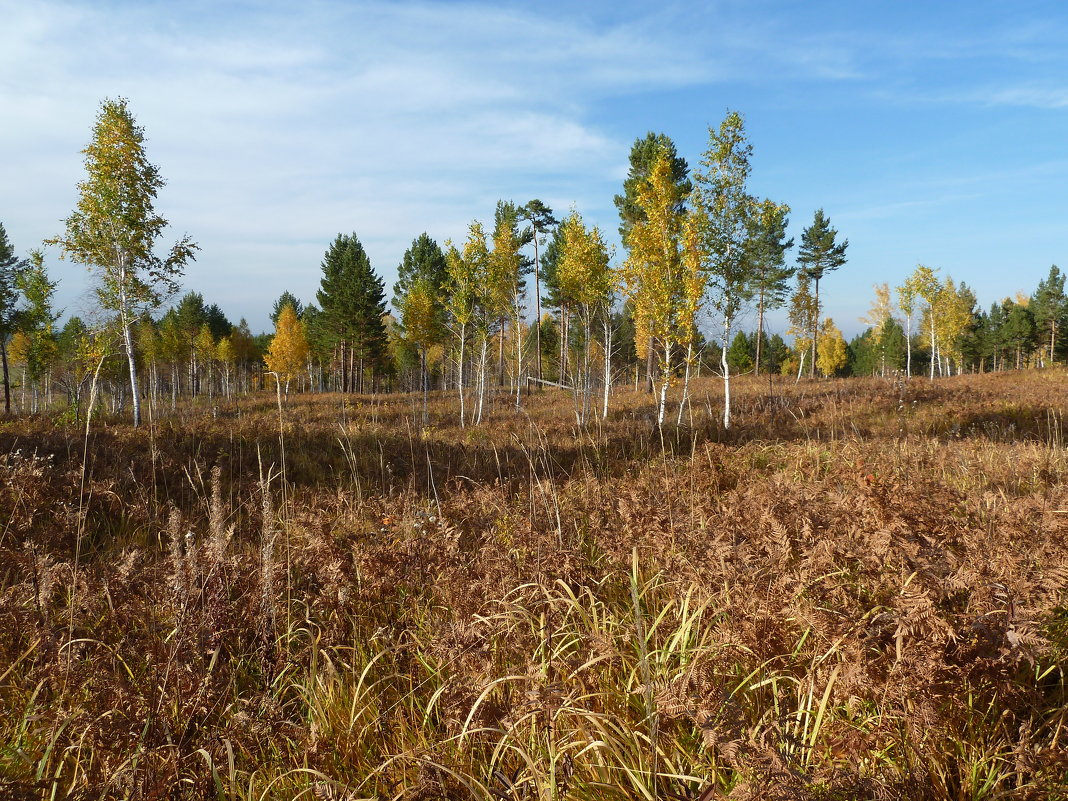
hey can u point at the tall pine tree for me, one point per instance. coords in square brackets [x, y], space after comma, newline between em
[353, 301]
[9, 270]
[818, 255]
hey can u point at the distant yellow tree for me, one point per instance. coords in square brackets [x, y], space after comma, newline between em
[419, 316]
[879, 318]
[832, 354]
[923, 283]
[18, 350]
[801, 314]
[289, 349]
[227, 356]
[465, 289]
[954, 304]
[585, 283]
[204, 349]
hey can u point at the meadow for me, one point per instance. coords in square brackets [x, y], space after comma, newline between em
[859, 591]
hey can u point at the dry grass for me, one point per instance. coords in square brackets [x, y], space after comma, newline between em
[861, 591]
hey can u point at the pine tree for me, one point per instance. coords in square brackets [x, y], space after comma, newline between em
[287, 298]
[353, 302]
[9, 270]
[541, 221]
[767, 254]
[1050, 307]
[115, 227]
[739, 355]
[818, 255]
[643, 154]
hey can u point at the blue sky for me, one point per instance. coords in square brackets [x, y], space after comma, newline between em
[929, 132]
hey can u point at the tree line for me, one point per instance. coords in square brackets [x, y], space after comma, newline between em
[700, 252]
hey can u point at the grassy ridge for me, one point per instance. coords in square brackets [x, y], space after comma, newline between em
[858, 592]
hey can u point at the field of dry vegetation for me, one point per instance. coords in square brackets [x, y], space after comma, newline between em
[858, 592]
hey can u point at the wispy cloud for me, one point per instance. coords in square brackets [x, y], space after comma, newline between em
[1044, 97]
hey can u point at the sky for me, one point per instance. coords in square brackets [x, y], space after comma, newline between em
[932, 133]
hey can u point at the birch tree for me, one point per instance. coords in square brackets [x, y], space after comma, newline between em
[585, 283]
[906, 301]
[879, 318]
[924, 284]
[114, 228]
[651, 271]
[724, 209]
[288, 352]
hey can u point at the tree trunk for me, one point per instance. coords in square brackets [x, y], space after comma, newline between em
[537, 305]
[908, 346]
[482, 377]
[7, 385]
[815, 327]
[563, 345]
[934, 348]
[460, 374]
[518, 334]
[650, 381]
[500, 356]
[666, 374]
[127, 338]
[607, 361]
[726, 375]
[685, 382]
[760, 331]
[422, 361]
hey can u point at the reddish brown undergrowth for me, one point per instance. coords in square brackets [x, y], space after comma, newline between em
[860, 591]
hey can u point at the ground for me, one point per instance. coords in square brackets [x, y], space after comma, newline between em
[859, 591]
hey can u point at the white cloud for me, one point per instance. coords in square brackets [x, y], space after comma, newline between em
[276, 130]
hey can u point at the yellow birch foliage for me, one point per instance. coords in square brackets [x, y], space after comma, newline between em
[881, 312]
[651, 273]
[289, 350]
[225, 351]
[204, 345]
[583, 274]
[954, 315]
[831, 352]
[419, 313]
[694, 279]
[19, 348]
